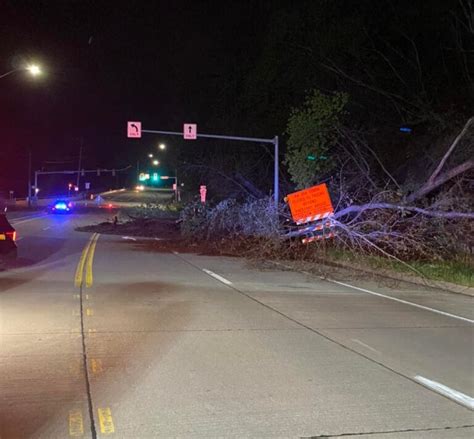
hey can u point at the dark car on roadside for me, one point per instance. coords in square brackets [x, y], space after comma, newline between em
[8, 248]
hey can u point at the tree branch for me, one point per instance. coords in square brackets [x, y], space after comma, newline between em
[430, 186]
[450, 150]
[432, 213]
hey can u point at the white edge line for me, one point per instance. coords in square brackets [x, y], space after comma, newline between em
[455, 395]
[27, 220]
[426, 308]
[216, 276]
[129, 238]
[365, 345]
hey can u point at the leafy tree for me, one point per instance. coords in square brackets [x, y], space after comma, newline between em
[312, 131]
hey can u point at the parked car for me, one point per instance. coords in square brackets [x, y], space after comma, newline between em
[8, 248]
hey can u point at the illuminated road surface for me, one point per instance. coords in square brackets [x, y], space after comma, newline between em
[100, 337]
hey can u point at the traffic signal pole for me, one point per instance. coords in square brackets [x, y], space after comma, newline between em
[273, 141]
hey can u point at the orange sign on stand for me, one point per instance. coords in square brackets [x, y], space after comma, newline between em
[310, 204]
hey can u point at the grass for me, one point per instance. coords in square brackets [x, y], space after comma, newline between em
[459, 271]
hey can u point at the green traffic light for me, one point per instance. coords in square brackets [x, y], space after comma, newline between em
[314, 158]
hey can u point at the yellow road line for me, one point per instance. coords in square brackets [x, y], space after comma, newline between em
[90, 261]
[105, 420]
[82, 261]
[76, 423]
[96, 366]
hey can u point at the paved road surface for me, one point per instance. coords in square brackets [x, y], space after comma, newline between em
[101, 337]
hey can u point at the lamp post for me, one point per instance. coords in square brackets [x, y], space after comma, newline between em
[33, 69]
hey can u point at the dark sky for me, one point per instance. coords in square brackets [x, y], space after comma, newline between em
[108, 62]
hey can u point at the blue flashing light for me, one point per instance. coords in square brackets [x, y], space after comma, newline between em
[61, 206]
[405, 129]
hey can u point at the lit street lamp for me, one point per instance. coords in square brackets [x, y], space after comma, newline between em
[162, 146]
[156, 162]
[150, 155]
[33, 69]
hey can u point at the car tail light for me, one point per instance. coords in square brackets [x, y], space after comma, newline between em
[11, 235]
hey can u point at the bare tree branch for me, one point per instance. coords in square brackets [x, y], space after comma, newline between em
[431, 213]
[443, 178]
[450, 150]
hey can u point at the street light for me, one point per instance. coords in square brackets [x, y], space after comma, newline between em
[33, 69]
[156, 162]
[162, 146]
[150, 155]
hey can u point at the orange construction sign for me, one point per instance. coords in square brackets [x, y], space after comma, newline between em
[310, 204]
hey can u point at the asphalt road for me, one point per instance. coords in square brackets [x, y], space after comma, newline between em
[102, 337]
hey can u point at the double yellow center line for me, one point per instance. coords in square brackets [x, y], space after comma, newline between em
[85, 263]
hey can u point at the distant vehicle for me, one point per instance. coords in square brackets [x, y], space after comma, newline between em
[8, 248]
[62, 206]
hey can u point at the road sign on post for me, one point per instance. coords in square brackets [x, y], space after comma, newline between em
[87, 185]
[203, 191]
[190, 131]
[310, 204]
[134, 130]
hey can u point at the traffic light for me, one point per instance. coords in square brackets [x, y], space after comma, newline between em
[155, 177]
[313, 158]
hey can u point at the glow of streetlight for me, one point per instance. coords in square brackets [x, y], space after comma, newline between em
[156, 162]
[162, 146]
[34, 69]
[150, 155]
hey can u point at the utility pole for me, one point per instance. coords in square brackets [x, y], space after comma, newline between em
[176, 192]
[80, 162]
[276, 184]
[29, 178]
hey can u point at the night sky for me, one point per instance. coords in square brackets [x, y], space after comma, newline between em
[106, 63]
[232, 67]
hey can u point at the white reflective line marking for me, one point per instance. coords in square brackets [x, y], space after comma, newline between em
[426, 308]
[47, 228]
[216, 276]
[27, 220]
[129, 238]
[455, 395]
[365, 345]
